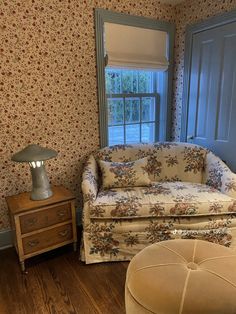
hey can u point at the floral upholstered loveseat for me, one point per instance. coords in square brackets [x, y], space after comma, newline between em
[192, 195]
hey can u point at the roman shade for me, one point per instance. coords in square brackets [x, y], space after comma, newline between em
[135, 47]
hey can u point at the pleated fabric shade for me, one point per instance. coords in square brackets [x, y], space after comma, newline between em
[135, 47]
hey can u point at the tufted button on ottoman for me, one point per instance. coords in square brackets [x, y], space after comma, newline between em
[182, 276]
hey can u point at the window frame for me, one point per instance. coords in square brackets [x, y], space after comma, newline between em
[165, 92]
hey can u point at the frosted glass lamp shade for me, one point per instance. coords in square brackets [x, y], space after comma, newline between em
[35, 155]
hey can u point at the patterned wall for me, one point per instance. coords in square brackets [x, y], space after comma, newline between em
[48, 81]
[48, 85]
[189, 12]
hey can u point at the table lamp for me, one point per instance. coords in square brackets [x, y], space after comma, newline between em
[35, 155]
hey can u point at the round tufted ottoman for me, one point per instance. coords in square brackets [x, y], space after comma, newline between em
[182, 276]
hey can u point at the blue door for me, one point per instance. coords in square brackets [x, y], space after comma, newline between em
[212, 92]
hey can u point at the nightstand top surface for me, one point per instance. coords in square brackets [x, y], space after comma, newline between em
[21, 202]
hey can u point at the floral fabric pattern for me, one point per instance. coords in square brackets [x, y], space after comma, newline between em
[219, 176]
[121, 241]
[166, 161]
[192, 195]
[157, 231]
[90, 180]
[126, 207]
[171, 160]
[167, 198]
[195, 159]
[123, 174]
[102, 239]
[153, 167]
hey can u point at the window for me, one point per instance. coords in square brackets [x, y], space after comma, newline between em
[134, 100]
[132, 106]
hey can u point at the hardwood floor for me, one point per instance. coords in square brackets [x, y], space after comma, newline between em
[57, 282]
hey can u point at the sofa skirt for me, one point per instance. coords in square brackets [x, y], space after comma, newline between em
[120, 239]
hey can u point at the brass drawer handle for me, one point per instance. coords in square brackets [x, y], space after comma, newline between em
[61, 213]
[63, 233]
[31, 221]
[33, 243]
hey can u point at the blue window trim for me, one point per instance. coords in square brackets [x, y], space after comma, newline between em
[102, 16]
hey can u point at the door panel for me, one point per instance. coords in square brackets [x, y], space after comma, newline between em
[212, 92]
[203, 89]
[224, 106]
[202, 68]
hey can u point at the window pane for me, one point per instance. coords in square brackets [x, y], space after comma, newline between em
[116, 135]
[148, 132]
[113, 81]
[148, 109]
[129, 81]
[135, 81]
[132, 110]
[115, 111]
[145, 82]
[126, 112]
[132, 134]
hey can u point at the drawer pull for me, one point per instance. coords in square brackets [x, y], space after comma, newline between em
[33, 243]
[61, 213]
[31, 221]
[63, 233]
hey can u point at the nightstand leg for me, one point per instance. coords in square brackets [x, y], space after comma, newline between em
[22, 266]
[75, 246]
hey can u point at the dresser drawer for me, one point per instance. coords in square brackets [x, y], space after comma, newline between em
[47, 238]
[45, 218]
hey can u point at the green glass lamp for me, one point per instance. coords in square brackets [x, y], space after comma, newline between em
[35, 155]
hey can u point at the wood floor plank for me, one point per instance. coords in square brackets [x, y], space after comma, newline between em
[63, 276]
[36, 290]
[104, 283]
[13, 287]
[53, 295]
[58, 283]
[81, 300]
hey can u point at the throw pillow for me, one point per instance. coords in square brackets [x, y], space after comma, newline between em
[124, 174]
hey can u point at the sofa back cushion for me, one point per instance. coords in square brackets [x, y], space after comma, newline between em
[167, 161]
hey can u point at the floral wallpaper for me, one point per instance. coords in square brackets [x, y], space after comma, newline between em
[48, 82]
[189, 12]
[48, 85]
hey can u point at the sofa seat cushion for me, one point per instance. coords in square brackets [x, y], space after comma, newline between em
[161, 199]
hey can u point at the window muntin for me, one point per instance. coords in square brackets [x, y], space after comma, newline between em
[132, 107]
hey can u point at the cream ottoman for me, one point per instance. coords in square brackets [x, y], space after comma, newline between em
[182, 276]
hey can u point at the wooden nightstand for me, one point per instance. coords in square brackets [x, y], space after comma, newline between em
[40, 226]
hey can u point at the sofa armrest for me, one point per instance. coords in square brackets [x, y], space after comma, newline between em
[90, 180]
[219, 176]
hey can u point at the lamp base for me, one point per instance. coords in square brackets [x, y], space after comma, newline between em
[40, 185]
[40, 194]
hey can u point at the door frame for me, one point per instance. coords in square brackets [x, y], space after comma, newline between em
[191, 30]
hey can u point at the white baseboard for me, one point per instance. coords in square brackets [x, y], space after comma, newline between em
[5, 239]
